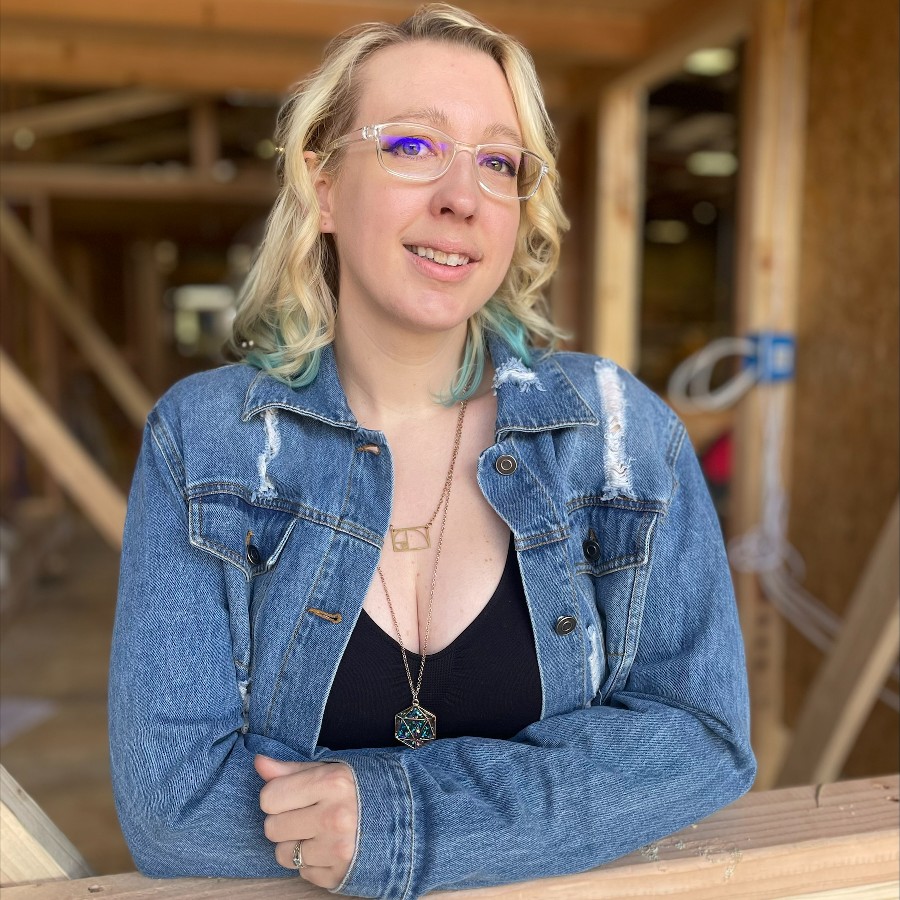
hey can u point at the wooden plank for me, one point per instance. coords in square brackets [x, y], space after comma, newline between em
[619, 233]
[162, 184]
[32, 847]
[770, 198]
[589, 32]
[795, 842]
[88, 112]
[85, 56]
[204, 136]
[39, 428]
[850, 678]
[675, 31]
[684, 26]
[95, 347]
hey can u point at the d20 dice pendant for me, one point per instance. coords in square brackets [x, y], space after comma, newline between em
[415, 726]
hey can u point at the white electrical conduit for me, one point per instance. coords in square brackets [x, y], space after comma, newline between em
[765, 548]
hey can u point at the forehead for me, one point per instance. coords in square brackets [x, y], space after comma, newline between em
[466, 87]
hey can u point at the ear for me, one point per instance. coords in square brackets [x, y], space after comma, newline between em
[323, 184]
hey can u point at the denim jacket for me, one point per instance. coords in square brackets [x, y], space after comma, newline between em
[255, 522]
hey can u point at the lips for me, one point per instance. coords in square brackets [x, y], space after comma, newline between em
[442, 257]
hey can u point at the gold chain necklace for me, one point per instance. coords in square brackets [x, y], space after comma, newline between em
[418, 537]
[415, 725]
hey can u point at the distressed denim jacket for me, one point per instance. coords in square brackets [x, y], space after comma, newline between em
[255, 509]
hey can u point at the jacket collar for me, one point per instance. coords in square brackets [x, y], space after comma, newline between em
[540, 398]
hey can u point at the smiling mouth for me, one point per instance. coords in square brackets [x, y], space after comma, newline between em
[438, 256]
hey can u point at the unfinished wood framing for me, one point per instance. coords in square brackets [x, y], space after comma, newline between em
[791, 843]
[615, 314]
[770, 199]
[32, 848]
[41, 430]
[23, 180]
[95, 347]
[93, 111]
[855, 670]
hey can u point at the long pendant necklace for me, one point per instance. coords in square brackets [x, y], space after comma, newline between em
[418, 537]
[415, 725]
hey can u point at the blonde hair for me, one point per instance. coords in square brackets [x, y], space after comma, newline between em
[286, 311]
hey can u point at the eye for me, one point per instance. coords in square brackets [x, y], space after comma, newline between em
[500, 163]
[407, 146]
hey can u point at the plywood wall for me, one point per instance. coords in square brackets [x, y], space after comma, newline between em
[846, 443]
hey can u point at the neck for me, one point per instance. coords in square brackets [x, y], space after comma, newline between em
[395, 375]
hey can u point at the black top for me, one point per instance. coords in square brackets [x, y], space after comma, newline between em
[485, 684]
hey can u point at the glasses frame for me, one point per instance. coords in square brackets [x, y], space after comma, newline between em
[373, 133]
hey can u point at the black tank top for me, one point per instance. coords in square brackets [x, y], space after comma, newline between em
[485, 684]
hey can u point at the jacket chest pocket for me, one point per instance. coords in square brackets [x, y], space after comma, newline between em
[249, 536]
[613, 554]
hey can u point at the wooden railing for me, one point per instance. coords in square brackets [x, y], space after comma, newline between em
[827, 841]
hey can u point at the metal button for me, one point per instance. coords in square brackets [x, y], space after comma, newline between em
[591, 547]
[254, 557]
[506, 464]
[566, 625]
[374, 449]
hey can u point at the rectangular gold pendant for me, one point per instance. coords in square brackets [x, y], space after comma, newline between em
[416, 537]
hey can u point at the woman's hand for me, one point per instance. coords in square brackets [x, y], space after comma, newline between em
[314, 803]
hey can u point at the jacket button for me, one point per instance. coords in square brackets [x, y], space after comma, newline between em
[506, 464]
[591, 547]
[254, 557]
[565, 625]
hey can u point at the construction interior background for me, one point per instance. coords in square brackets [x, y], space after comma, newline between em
[731, 171]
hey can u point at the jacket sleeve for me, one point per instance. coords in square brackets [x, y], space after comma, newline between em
[181, 755]
[576, 790]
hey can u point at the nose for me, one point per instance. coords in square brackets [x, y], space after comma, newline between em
[457, 191]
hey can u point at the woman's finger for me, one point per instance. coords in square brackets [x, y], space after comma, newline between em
[321, 866]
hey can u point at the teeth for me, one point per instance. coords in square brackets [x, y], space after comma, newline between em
[445, 259]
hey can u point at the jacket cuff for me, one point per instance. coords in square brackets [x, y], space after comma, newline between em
[382, 863]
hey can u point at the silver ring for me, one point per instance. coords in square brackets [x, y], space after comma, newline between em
[298, 856]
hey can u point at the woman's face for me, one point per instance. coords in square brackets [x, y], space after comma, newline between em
[380, 221]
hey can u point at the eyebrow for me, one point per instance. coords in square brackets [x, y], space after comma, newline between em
[433, 116]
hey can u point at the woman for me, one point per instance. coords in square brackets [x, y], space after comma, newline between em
[405, 603]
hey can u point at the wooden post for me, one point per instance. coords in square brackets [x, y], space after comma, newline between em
[688, 25]
[770, 200]
[40, 430]
[853, 673]
[97, 349]
[619, 215]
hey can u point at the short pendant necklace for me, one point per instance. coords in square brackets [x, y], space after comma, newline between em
[415, 725]
[418, 537]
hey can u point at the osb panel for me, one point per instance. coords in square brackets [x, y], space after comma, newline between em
[845, 452]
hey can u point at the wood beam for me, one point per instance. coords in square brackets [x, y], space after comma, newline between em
[94, 345]
[770, 199]
[33, 848]
[616, 307]
[853, 673]
[86, 56]
[40, 429]
[585, 32]
[89, 112]
[162, 183]
[798, 842]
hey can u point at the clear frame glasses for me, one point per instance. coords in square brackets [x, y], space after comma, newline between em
[421, 153]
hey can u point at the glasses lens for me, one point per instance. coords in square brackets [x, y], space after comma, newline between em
[509, 171]
[413, 151]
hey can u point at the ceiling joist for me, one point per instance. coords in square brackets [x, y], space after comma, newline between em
[94, 111]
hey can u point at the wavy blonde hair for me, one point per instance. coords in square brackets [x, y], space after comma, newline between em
[286, 311]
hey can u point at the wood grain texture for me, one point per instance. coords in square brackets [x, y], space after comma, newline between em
[847, 414]
[796, 842]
